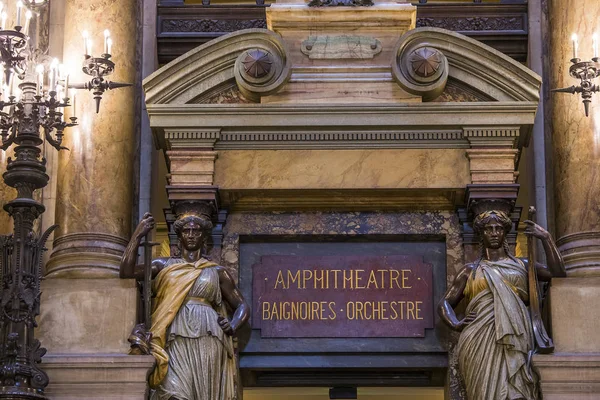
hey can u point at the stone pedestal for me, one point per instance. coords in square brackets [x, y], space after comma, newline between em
[97, 377]
[569, 376]
[87, 316]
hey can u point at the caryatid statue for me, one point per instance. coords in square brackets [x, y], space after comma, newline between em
[190, 335]
[497, 336]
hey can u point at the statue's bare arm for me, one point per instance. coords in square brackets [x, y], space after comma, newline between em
[556, 265]
[128, 268]
[451, 299]
[233, 297]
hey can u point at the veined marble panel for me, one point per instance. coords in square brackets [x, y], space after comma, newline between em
[342, 169]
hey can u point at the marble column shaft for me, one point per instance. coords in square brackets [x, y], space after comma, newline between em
[95, 178]
[573, 371]
[576, 139]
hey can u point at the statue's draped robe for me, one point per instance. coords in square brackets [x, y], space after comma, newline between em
[194, 357]
[494, 349]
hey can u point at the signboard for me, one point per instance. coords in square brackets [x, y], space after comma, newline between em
[342, 296]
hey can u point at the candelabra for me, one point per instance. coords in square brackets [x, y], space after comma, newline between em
[586, 72]
[30, 115]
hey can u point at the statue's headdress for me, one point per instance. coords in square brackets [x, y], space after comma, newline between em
[197, 211]
[492, 215]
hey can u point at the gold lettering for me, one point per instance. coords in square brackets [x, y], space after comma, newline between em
[373, 280]
[335, 277]
[377, 310]
[348, 278]
[314, 310]
[405, 278]
[382, 272]
[358, 278]
[280, 280]
[295, 311]
[285, 310]
[360, 310]
[265, 311]
[394, 279]
[332, 310]
[303, 310]
[306, 276]
[410, 310]
[293, 279]
[322, 308]
[275, 312]
[418, 309]
[317, 279]
[350, 310]
[401, 304]
[384, 310]
[393, 305]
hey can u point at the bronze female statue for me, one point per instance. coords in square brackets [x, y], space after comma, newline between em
[190, 332]
[497, 337]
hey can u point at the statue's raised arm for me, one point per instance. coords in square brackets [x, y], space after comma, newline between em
[497, 331]
[191, 332]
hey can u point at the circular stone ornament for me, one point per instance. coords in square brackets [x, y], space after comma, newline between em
[257, 63]
[425, 61]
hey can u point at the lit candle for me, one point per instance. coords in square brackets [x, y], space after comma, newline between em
[85, 35]
[40, 79]
[59, 92]
[74, 97]
[19, 7]
[1, 6]
[4, 17]
[28, 16]
[11, 84]
[89, 47]
[109, 43]
[595, 44]
[575, 45]
[106, 37]
[53, 68]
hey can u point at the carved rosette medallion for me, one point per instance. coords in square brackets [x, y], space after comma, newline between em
[420, 69]
[425, 61]
[260, 71]
[257, 63]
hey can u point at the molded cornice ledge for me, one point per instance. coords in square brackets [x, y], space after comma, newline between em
[467, 60]
[206, 67]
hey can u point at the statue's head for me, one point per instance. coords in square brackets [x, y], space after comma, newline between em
[492, 227]
[192, 230]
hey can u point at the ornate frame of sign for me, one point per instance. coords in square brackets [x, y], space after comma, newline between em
[247, 236]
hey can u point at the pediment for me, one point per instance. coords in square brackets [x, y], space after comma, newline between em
[470, 71]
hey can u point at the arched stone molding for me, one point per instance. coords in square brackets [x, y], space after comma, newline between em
[463, 59]
[188, 77]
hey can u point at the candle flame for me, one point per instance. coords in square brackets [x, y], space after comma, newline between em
[574, 37]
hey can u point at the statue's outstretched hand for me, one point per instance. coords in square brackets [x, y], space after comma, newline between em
[145, 226]
[533, 229]
[225, 325]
